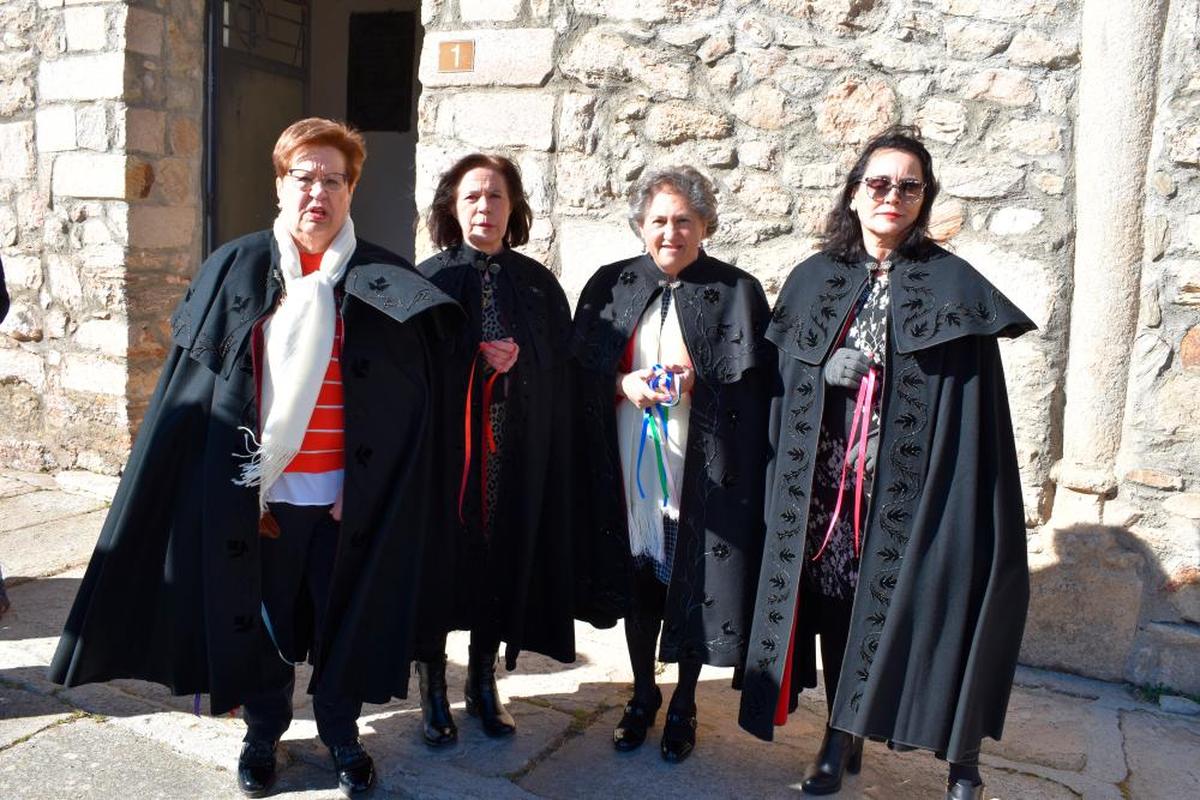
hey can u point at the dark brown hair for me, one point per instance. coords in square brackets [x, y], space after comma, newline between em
[843, 237]
[320, 131]
[443, 222]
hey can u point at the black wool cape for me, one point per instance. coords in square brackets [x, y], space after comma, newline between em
[944, 580]
[723, 313]
[172, 594]
[527, 563]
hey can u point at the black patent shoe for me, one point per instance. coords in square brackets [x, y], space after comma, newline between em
[256, 767]
[679, 736]
[437, 724]
[964, 790]
[355, 769]
[483, 697]
[638, 718]
[840, 753]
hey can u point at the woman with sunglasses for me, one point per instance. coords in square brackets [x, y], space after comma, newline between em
[895, 527]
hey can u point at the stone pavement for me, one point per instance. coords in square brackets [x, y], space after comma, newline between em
[1067, 737]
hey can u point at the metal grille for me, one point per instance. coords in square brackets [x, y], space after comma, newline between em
[272, 30]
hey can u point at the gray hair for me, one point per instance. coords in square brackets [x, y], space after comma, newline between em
[688, 182]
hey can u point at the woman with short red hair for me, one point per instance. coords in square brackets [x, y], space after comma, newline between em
[278, 492]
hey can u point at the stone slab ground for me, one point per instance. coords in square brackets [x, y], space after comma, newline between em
[1066, 737]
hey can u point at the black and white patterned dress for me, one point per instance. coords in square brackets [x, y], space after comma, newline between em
[492, 327]
[835, 573]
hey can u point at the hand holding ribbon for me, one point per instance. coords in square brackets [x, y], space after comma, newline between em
[500, 354]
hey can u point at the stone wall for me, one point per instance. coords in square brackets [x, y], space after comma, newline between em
[99, 130]
[1041, 127]
[1159, 461]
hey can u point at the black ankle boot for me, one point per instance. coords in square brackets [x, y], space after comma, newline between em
[483, 698]
[438, 724]
[840, 753]
[964, 790]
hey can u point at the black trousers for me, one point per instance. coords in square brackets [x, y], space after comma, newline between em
[297, 568]
[829, 619]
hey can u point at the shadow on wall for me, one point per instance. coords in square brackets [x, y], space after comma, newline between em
[1092, 610]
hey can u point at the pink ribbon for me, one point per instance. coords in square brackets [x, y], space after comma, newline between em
[859, 426]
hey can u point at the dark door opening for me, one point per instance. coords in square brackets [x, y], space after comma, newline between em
[272, 62]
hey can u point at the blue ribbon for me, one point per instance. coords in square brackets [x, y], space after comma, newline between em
[661, 381]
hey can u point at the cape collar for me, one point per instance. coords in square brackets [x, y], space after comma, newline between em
[718, 311]
[933, 300]
[227, 298]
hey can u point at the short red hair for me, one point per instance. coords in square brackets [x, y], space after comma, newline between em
[320, 131]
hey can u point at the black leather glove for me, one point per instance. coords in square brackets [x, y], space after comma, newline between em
[846, 368]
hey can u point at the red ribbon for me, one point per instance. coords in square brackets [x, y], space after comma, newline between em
[489, 439]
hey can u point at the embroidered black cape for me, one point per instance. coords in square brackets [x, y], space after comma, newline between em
[527, 564]
[944, 582]
[723, 314]
[172, 593]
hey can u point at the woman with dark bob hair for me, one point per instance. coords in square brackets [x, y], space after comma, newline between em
[502, 570]
[895, 527]
[671, 373]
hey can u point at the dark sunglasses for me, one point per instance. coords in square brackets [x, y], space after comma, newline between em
[880, 187]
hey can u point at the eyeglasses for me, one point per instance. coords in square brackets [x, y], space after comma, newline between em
[331, 182]
[879, 187]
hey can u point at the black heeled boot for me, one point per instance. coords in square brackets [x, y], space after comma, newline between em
[438, 725]
[483, 697]
[964, 790]
[840, 753]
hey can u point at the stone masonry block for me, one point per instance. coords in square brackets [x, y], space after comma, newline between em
[55, 129]
[93, 77]
[108, 336]
[489, 10]
[26, 367]
[513, 119]
[145, 130]
[1085, 603]
[16, 143]
[1168, 655]
[161, 227]
[91, 127]
[85, 28]
[89, 175]
[93, 375]
[506, 57]
[144, 32]
[584, 244]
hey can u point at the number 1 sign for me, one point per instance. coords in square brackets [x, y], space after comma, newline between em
[456, 56]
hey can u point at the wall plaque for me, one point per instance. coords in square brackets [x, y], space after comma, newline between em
[456, 56]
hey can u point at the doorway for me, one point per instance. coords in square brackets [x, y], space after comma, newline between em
[272, 62]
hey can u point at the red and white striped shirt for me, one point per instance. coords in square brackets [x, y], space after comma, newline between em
[323, 449]
[315, 475]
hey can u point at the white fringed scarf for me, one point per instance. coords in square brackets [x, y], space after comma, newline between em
[655, 344]
[298, 341]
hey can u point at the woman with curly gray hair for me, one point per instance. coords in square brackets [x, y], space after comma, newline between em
[670, 358]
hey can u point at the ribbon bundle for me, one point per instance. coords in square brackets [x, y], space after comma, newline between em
[489, 438]
[664, 381]
[859, 426]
